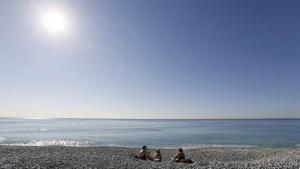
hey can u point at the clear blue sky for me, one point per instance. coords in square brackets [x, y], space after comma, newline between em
[152, 59]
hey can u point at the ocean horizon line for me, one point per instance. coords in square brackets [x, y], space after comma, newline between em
[96, 118]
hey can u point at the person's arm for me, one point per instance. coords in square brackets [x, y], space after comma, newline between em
[143, 155]
[176, 155]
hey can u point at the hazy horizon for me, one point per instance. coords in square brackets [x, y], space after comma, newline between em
[91, 118]
[155, 59]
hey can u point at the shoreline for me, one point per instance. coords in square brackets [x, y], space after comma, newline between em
[122, 157]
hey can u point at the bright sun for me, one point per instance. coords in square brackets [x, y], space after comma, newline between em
[54, 21]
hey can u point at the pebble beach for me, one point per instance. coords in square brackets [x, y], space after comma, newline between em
[19, 157]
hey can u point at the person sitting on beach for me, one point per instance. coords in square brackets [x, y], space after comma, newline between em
[180, 157]
[143, 154]
[156, 156]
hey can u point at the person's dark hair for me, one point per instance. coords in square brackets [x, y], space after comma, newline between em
[158, 151]
[144, 147]
[180, 150]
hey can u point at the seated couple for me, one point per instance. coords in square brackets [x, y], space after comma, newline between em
[144, 154]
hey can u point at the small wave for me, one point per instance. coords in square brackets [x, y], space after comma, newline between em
[2, 139]
[197, 146]
[218, 146]
[186, 147]
[68, 143]
[36, 118]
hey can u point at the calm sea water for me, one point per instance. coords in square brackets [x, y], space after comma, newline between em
[153, 133]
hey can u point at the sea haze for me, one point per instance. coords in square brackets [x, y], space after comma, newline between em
[153, 133]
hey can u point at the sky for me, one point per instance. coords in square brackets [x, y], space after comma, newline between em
[151, 59]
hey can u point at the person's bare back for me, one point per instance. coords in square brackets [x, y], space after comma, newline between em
[156, 156]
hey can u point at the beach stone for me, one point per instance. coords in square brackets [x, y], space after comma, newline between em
[121, 158]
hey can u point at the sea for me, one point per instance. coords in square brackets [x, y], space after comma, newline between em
[188, 134]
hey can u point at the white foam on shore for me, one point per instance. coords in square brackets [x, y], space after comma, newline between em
[68, 143]
[77, 143]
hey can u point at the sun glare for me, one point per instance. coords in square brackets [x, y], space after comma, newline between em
[54, 21]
